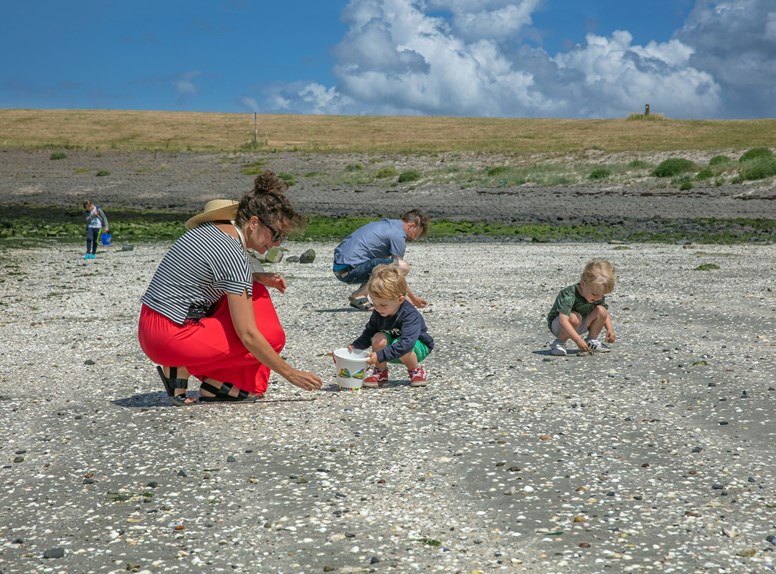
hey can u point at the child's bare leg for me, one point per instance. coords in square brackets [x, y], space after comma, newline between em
[575, 319]
[379, 341]
[596, 321]
[410, 360]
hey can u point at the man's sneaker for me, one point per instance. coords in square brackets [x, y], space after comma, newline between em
[597, 346]
[418, 377]
[376, 378]
[558, 348]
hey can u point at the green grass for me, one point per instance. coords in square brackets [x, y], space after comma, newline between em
[599, 173]
[408, 176]
[24, 226]
[761, 167]
[756, 153]
[254, 168]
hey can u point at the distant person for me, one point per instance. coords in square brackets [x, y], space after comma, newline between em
[96, 222]
[396, 330]
[206, 314]
[581, 309]
[378, 243]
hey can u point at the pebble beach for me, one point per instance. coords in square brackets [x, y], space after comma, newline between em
[655, 457]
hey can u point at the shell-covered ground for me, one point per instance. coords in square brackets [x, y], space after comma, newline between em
[655, 457]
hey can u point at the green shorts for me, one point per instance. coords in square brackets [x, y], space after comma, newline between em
[420, 349]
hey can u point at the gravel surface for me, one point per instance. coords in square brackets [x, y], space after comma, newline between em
[656, 457]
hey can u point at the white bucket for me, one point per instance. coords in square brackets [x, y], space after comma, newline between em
[351, 368]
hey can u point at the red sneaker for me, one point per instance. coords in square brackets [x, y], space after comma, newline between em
[418, 377]
[376, 378]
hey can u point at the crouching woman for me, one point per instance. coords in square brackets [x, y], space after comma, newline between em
[206, 315]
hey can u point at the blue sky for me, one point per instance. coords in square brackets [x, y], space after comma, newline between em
[495, 58]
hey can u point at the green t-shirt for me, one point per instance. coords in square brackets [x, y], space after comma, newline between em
[569, 299]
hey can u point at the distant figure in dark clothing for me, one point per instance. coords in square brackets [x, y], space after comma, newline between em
[96, 222]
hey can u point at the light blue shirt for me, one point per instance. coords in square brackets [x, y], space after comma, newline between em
[375, 240]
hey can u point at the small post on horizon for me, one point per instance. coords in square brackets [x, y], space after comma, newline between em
[255, 132]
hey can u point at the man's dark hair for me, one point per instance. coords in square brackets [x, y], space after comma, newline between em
[418, 218]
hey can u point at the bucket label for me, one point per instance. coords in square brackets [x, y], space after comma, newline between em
[346, 374]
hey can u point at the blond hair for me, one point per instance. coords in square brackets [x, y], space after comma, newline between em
[387, 282]
[598, 276]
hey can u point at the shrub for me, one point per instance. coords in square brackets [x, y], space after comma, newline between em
[761, 168]
[685, 186]
[410, 175]
[707, 267]
[705, 173]
[354, 167]
[719, 160]
[600, 173]
[756, 153]
[638, 164]
[103, 173]
[385, 172]
[58, 155]
[673, 166]
[498, 170]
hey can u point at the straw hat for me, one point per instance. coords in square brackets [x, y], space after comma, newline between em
[215, 210]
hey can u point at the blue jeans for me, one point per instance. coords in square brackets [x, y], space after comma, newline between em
[92, 235]
[361, 272]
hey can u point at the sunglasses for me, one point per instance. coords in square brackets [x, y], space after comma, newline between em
[277, 237]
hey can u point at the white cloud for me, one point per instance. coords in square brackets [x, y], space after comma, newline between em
[184, 84]
[620, 77]
[250, 104]
[487, 19]
[735, 42]
[469, 57]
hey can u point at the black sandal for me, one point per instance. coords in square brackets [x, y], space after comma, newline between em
[221, 394]
[171, 383]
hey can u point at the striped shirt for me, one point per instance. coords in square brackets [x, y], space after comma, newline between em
[200, 268]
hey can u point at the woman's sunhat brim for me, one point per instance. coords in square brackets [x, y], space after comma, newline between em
[216, 210]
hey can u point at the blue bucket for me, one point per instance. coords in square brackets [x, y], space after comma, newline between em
[105, 238]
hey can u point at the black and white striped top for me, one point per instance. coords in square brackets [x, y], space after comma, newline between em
[200, 267]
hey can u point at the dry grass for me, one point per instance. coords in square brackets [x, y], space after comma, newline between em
[131, 130]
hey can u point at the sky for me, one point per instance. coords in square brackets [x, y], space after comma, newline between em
[687, 59]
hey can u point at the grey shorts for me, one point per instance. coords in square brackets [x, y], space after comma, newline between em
[581, 330]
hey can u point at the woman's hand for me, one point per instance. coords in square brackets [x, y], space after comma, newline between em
[273, 280]
[372, 360]
[611, 337]
[419, 302]
[305, 380]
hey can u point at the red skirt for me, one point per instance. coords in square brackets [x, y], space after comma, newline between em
[210, 348]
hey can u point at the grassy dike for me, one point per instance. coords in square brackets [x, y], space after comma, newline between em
[32, 225]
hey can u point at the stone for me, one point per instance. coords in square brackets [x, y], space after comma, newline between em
[57, 552]
[307, 257]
